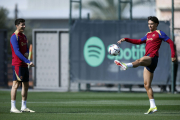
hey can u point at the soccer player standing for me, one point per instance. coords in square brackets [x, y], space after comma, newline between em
[153, 41]
[20, 52]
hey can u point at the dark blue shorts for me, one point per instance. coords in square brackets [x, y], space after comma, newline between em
[20, 73]
[154, 61]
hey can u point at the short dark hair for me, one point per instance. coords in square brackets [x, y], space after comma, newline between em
[154, 19]
[18, 21]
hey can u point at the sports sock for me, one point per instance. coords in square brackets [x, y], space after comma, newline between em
[129, 65]
[23, 106]
[13, 104]
[152, 103]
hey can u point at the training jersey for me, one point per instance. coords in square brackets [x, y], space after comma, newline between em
[153, 41]
[19, 47]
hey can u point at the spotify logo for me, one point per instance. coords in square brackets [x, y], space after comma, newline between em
[94, 51]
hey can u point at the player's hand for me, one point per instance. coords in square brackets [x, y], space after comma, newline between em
[173, 59]
[121, 40]
[26, 55]
[31, 64]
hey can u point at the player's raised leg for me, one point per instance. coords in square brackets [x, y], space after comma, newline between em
[24, 93]
[144, 61]
[148, 76]
[13, 97]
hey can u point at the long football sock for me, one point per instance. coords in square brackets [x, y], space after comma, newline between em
[23, 106]
[152, 103]
[129, 65]
[13, 104]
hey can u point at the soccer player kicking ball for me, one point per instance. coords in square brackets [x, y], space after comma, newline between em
[153, 41]
[20, 62]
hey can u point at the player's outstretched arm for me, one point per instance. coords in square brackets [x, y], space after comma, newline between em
[121, 40]
[134, 41]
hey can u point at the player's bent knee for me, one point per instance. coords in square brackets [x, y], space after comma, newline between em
[142, 60]
[138, 60]
[146, 86]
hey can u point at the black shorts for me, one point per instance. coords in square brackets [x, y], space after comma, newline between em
[20, 73]
[154, 61]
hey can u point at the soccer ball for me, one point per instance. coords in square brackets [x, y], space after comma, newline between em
[114, 49]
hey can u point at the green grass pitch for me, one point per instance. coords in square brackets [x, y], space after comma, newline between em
[91, 106]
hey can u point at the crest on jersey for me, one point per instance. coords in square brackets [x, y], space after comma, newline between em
[153, 35]
[22, 44]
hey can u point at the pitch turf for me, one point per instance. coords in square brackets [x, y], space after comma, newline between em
[91, 106]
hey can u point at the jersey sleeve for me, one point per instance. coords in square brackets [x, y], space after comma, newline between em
[165, 38]
[171, 43]
[15, 45]
[137, 41]
[144, 38]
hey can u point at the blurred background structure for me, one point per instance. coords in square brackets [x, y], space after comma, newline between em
[48, 20]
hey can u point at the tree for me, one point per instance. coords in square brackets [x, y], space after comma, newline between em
[103, 9]
[6, 24]
[108, 9]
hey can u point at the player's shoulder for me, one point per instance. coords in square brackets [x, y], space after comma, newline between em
[14, 36]
[147, 33]
[160, 32]
[162, 35]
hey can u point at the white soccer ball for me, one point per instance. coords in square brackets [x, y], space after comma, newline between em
[114, 50]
